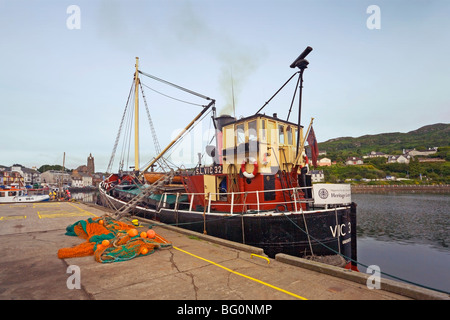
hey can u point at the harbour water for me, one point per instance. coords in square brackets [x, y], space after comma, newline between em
[406, 234]
[87, 197]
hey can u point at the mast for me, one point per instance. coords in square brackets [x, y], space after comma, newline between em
[205, 108]
[136, 117]
[302, 64]
[299, 154]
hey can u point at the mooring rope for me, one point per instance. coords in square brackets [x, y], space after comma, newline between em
[364, 265]
[314, 239]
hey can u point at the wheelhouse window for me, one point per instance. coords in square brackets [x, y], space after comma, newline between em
[240, 133]
[281, 134]
[263, 129]
[252, 131]
[289, 135]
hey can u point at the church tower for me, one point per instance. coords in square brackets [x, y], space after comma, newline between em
[90, 164]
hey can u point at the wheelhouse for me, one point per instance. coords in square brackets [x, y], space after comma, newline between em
[269, 141]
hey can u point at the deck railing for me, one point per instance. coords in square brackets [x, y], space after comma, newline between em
[294, 201]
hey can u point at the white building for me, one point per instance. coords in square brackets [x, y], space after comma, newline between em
[81, 179]
[415, 153]
[324, 162]
[353, 161]
[87, 179]
[55, 177]
[399, 159]
[375, 154]
[30, 176]
[317, 176]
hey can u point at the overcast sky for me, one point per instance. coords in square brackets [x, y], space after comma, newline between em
[65, 77]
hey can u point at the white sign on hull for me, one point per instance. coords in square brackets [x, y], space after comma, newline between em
[324, 193]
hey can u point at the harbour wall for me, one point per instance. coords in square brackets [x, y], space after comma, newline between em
[443, 188]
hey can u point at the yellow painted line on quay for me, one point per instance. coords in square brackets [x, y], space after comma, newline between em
[80, 213]
[46, 204]
[14, 205]
[87, 212]
[12, 218]
[242, 275]
[60, 215]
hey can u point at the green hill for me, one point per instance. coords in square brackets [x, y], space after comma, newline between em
[436, 135]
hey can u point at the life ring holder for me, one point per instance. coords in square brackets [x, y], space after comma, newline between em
[305, 158]
[255, 168]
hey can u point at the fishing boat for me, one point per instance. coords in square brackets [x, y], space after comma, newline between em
[20, 195]
[257, 189]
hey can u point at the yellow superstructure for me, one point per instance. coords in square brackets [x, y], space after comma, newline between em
[269, 141]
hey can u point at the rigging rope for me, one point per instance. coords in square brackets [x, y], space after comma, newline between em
[175, 86]
[313, 238]
[362, 264]
[111, 160]
[165, 95]
[232, 173]
[186, 133]
[276, 92]
[162, 162]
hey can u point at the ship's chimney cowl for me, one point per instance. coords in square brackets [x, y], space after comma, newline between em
[223, 121]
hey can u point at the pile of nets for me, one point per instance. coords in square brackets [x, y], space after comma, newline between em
[110, 240]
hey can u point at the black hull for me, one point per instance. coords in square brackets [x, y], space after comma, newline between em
[329, 230]
[274, 234]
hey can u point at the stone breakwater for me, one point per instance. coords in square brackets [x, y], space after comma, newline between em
[443, 188]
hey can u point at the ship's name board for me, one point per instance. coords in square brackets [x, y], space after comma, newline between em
[325, 193]
[214, 169]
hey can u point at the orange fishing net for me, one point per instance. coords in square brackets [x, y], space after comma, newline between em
[110, 240]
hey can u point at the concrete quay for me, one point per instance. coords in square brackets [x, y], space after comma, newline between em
[196, 267]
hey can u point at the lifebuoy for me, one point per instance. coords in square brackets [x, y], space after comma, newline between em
[255, 168]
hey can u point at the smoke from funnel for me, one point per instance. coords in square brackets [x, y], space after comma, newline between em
[238, 66]
[237, 62]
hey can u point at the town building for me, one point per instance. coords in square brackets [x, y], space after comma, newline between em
[353, 161]
[11, 178]
[90, 164]
[97, 178]
[376, 154]
[76, 181]
[30, 176]
[55, 177]
[399, 159]
[19, 175]
[415, 153]
[324, 162]
[81, 179]
[317, 176]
